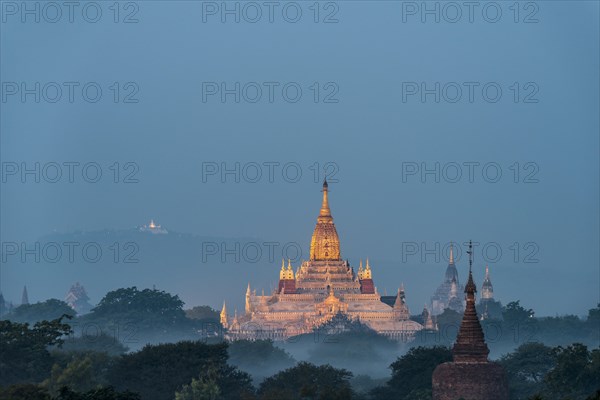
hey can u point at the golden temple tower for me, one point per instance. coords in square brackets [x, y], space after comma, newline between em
[325, 243]
[224, 321]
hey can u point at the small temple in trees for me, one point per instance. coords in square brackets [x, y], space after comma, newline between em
[78, 299]
[470, 376]
[312, 294]
[448, 294]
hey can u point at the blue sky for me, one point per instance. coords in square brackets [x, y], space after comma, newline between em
[367, 61]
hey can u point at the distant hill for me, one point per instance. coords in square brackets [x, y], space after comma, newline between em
[201, 269]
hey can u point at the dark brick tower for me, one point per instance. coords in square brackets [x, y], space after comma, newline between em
[470, 376]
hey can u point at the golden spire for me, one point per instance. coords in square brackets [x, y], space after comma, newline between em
[325, 211]
[224, 316]
[235, 319]
[248, 306]
[282, 271]
[325, 243]
[451, 253]
[367, 271]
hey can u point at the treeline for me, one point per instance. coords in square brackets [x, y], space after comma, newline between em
[135, 317]
[130, 316]
[512, 325]
[34, 367]
[47, 352]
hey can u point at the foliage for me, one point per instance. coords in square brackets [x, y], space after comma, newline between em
[203, 388]
[101, 343]
[158, 371]
[491, 307]
[23, 350]
[203, 313]
[308, 381]
[576, 374]
[593, 324]
[411, 374]
[42, 311]
[526, 367]
[80, 371]
[105, 393]
[130, 303]
[142, 316]
[514, 313]
[27, 391]
[536, 371]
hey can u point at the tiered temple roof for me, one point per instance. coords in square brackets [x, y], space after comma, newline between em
[470, 376]
[321, 288]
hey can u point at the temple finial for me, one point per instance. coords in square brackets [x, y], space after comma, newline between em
[24, 296]
[470, 253]
[470, 343]
[451, 253]
[470, 288]
[223, 316]
[325, 211]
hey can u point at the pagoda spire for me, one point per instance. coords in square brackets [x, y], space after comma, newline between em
[325, 211]
[224, 316]
[325, 242]
[470, 344]
[451, 253]
[24, 296]
[487, 290]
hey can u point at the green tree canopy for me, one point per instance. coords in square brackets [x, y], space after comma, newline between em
[23, 350]
[576, 374]
[411, 373]
[514, 313]
[80, 371]
[102, 343]
[42, 311]
[26, 391]
[203, 313]
[137, 316]
[158, 371]
[308, 381]
[148, 303]
[526, 368]
[104, 393]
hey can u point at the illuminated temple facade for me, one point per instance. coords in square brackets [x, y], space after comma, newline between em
[317, 290]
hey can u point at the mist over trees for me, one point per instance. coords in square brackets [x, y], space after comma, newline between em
[142, 344]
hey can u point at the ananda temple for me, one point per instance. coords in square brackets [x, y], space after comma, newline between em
[316, 291]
